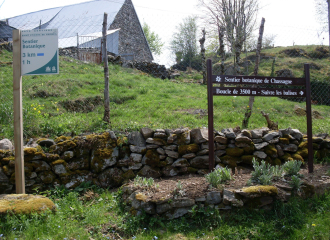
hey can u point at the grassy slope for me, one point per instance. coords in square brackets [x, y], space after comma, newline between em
[137, 100]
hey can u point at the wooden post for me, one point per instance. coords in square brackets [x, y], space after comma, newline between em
[106, 116]
[309, 120]
[18, 115]
[210, 115]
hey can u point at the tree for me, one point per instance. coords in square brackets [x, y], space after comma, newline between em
[184, 41]
[153, 39]
[234, 19]
[323, 13]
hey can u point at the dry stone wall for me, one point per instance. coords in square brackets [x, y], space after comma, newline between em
[109, 161]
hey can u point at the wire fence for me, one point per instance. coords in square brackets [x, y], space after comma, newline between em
[72, 101]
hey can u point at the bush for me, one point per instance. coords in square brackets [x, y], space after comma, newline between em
[218, 176]
[264, 173]
[295, 183]
[292, 167]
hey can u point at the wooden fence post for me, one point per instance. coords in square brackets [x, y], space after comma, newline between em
[106, 116]
[18, 115]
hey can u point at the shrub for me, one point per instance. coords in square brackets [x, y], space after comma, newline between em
[144, 182]
[264, 173]
[295, 183]
[218, 176]
[292, 167]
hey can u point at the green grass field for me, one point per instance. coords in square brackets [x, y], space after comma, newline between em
[71, 102]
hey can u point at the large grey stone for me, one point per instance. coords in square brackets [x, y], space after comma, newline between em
[112, 177]
[270, 136]
[147, 171]
[219, 153]
[220, 146]
[161, 208]
[171, 147]
[261, 145]
[199, 135]
[137, 139]
[147, 132]
[137, 149]
[296, 134]
[257, 133]
[136, 166]
[181, 162]
[221, 139]
[213, 198]
[170, 171]
[260, 154]
[280, 152]
[189, 156]
[155, 141]
[41, 166]
[242, 138]
[148, 207]
[161, 151]
[135, 157]
[290, 148]
[184, 202]
[160, 135]
[200, 162]
[172, 154]
[230, 199]
[5, 144]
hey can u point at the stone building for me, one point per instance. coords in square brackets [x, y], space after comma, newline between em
[81, 24]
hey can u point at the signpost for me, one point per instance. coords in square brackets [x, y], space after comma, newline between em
[35, 52]
[265, 91]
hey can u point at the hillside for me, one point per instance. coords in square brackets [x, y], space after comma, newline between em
[71, 102]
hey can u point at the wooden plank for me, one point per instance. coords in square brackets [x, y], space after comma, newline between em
[257, 80]
[210, 115]
[264, 92]
[18, 115]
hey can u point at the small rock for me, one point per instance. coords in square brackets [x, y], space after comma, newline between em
[5, 144]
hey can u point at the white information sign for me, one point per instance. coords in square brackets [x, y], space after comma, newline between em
[39, 52]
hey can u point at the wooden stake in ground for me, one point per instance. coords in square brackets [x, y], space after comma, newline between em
[106, 116]
[202, 41]
[255, 73]
[18, 115]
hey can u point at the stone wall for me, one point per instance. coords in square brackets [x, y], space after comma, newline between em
[108, 161]
[131, 36]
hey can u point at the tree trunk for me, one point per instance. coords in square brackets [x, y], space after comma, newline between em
[255, 73]
[202, 41]
[106, 116]
[222, 53]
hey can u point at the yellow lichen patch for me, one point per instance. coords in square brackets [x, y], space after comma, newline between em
[249, 150]
[25, 204]
[185, 149]
[230, 161]
[121, 141]
[141, 197]
[152, 158]
[305, 145]
[297, 157]
[104, 153]
[6, 160]
[57, 162]
[285, 140]
[50, 157]
[270, 150]
[5, 153]
[62, 146]
[263, 190]
[62, 139]
[303, 152]
[39, 149]
[30, 151]
[287, 157]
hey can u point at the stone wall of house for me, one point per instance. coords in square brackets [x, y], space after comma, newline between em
[108, 161]
[131, 36]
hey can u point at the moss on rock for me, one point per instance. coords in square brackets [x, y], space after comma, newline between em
[129, 175]
[271, 151]
[24, 204]
[185, 149]
[303, 152]
[261, 190]
[235, 152]
[247, 159]
[152, 158]
[62, 139]
[230, 161]
[62, 147]
[285, 140]
[297, 157]
[287, 157]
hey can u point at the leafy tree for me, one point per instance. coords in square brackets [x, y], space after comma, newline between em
[153, 39]
[184, 41]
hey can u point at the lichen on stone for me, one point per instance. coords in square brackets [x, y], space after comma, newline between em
[185, 149]
[235, 152]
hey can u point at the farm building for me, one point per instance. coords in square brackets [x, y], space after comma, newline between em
[81, 25]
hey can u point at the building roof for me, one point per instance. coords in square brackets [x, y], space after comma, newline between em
[81, 18]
